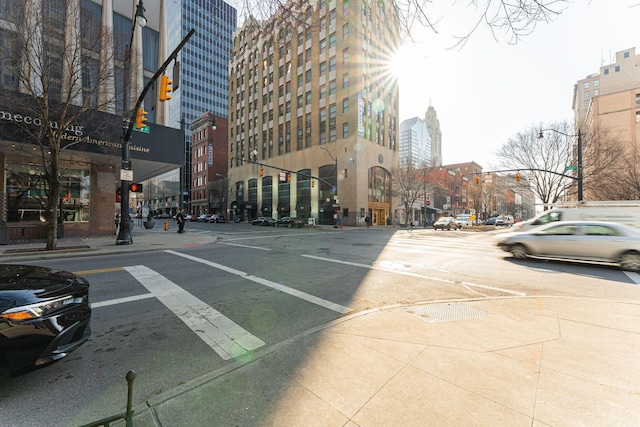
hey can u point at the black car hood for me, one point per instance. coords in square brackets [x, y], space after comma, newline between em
[25, 284]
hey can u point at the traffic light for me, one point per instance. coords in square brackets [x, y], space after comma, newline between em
[288, 177]
[135, 187]
[141, 118]
[517, 176]
[477, 180]
[261, 171]
[165, 88]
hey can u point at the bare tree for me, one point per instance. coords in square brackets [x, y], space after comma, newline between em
[410, 185]
[56, 77]
[546, 159]
[512, 19]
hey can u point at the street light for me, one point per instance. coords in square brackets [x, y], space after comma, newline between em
[124, 232]
[579, 135]
[335, 188]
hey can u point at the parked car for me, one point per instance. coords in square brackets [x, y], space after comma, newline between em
[163, 216]
[445, 223]
[504, 221]
[188, 217]
[44, 316]
[591, 241]
[264, 221]
[217, 218]
[287, 221]
[203, 218]
[491, 221]
[463, 221]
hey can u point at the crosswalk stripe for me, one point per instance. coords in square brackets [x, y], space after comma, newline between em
[225, 337]
[282, 288]
[420, 276]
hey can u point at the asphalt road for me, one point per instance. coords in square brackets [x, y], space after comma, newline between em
[173, 316]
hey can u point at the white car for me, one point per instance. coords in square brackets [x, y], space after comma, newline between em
[590, 241]
[464, 221]
[504, 220]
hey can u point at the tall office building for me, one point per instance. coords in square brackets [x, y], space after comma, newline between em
[433, 127]
[313, 128]
[415, 144]
[204, 66]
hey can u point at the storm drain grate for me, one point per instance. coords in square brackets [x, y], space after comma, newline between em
[446, 312]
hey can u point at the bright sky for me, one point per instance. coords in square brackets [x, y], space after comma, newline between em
[489, 91]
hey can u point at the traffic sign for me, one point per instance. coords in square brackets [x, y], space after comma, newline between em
[571, 168]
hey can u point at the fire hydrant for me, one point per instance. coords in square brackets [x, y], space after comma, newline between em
[166, 225]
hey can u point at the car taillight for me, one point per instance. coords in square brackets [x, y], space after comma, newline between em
[35, 311]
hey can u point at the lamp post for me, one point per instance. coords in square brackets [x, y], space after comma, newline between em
[226, 194]
[335, 188]
[124, 232]
[579, 166]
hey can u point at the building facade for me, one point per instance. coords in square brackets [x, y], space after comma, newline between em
[433, 127]
[95, 59]
[415, 144]
[209, 160]
[609, 102]
[313, 109]
[204, 72]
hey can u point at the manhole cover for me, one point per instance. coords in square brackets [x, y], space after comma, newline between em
[446, 312]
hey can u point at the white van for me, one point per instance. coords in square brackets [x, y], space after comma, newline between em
[627, 213]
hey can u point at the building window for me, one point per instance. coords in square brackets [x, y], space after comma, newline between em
[596, 83]
[617, 68]
[626, 54]
[586, 85]
[587, 94]
[606, 71]
[345, 130]
[596, 92]
[637, 100]
[637, 116]
[345, 105]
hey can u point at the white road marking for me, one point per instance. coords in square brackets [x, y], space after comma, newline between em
[225, 337]
[419, 276]
[635, 277]
[282, 288]
[121, 300]
[245, 246]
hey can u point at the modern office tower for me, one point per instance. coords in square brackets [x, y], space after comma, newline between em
[313, 128]
[433, 127]
[415, 144]
[204, 65]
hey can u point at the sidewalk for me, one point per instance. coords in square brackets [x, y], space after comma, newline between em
[519, 361]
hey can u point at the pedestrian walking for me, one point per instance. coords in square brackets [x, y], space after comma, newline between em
[180, 219]
[367, 221]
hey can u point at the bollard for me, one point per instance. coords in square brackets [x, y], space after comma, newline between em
[166, 225]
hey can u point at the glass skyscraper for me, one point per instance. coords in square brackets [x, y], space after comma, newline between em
[204, 67]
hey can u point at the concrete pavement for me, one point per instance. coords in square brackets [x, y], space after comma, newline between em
[537, 361]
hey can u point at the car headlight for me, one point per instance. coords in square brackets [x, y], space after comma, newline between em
[35, 311]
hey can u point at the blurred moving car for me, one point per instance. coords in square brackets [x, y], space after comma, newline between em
[590, 241]
[490, 221]
[446, 223]
[203, 218]
[287, 221]
[163, 216]
[44, 316]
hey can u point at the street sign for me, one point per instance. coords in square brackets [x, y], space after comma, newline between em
[126, 175]
[144, 129]
[571, 168]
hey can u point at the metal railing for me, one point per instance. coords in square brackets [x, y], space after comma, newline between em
[127, 416]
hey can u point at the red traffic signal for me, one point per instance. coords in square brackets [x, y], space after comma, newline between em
[135, 187]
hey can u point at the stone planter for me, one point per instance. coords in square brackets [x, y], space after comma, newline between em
[148, 225]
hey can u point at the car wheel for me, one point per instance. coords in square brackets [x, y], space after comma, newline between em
[519, 251]
[630, 261]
